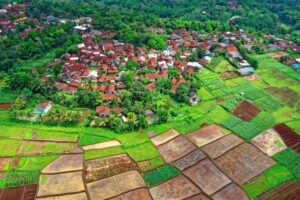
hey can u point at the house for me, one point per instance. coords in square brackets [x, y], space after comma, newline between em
[296, 66]
[244, 64]
[42, 108]
[246, 71]
[103, 111]
[193, 98]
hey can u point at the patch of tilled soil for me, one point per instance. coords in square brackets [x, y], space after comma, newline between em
[65, 163]
[59, 184]
[106, 167]
[189, 160]
[244, 162]
[176, 188]
[115, 185]
[27, 192]
[139, 194]
[175, 149]
[230, 192]
[222, 145]
[205, 135]
[207, 176]
[246, 110]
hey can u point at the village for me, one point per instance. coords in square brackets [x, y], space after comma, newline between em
[101, 60]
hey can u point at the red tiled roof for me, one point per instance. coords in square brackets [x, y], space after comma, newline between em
[150, 86]
[150, 76]
[108, 97]
[75, 84]
[103, 110]
[117, 109]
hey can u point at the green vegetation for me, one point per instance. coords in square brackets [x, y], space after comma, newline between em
[9, 147]
[269, 179]
[160, 175]
[93, 154]
[86, 139]
[16, 178]
[33, 163]
[291, 160]
[154, 163]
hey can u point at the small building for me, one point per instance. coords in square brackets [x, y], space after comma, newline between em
[193, 98]
[103, 111]
[42, 108]
[246, 71]
[296, 66]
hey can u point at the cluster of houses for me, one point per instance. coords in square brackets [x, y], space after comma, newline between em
[294, 63]
[281, 44]
[100, 63]
[13, 14]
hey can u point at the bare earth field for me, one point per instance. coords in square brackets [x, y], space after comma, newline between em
[175, 149]
[206, 135]
[207, 176]
[221, 146]
[176, 188]
[106, 167]
[115, 185]
[65, 163]
[189, 160]
[59, 184]
[230, 192]
[244, 163]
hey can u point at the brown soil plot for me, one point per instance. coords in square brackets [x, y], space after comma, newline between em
[79, 196]
[115, 185]
[165, 137]
[176, 149]
[230, 192]
[199, 197]
[246, 110]
[244, 163]
[5, 106]
[27, 192]
[222, 145]
[65, 163]
[189, 160]
[287, 191]
[59, 184]
[176, 188]
[139, 194]
[105, 167]
[278, 54]
[290, 138]
[269, 142]
[207, 176]
[205, 135]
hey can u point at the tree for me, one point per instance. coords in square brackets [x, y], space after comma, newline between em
[182, 93]
[163, 85]
[131, 65]
[128, 77]
[19, 104]
[157, 42]
[173, 72]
